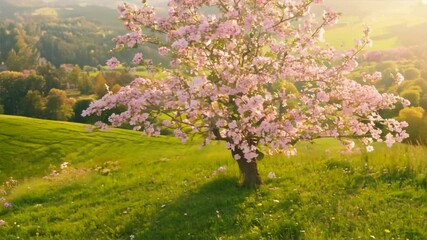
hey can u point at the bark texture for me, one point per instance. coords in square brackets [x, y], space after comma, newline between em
[249, 170]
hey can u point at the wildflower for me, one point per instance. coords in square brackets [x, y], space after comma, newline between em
[369, 148]
[386, 231]
[2, 222]
[132, 236]
[7, 205]
[222, 169]
[271, 175]
[64, 165]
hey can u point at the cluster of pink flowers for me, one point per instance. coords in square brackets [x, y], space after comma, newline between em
[372, 78]
[137, 58]
[112, 63]
[235, 74]
[399, 78]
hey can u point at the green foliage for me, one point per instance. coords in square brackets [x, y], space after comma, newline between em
[51, 76]
[412, 73]
[157, 188]
[70, 38]
[414, 116]
[33, 104]
[412, 95]
[78, 108]
[14, 87]
[22, 56]
[100, 88]
[422, 84]
[85, 85]
[386, 66]
[423, 101]
[58, 106]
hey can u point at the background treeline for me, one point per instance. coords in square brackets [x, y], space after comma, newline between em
[56, 93]
[71, 40]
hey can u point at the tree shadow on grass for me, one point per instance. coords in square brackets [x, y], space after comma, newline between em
[207, 212]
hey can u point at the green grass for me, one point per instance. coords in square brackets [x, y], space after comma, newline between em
[388, 32]
[119, 184]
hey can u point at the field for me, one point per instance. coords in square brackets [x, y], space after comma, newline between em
[120, 185]
[390, 29]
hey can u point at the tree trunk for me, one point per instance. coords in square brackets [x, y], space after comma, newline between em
[249, 170]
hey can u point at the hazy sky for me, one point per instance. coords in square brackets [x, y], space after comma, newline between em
[366, 3]
[370, 6]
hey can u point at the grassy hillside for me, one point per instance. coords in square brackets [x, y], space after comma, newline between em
[387, 33]
[119, 185]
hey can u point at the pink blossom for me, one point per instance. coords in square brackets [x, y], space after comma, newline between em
[330, 18]
[112, 63]
[180, 44]
[390, 140]
[349, 145]
[163, 51]
[2, 222]
[399, 78]
[175, 63]
[372, 78]
[137, 58]
[267, 23]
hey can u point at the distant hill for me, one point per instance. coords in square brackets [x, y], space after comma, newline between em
[63, 33]
[61, 3]
[93, 23]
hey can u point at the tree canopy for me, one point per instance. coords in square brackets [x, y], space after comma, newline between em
[256, 74]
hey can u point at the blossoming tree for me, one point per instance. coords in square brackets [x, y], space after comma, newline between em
[253, 73]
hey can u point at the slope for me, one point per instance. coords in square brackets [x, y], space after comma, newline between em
[120, 185]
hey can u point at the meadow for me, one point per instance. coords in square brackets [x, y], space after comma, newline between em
[388, 30]
[117, 184]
